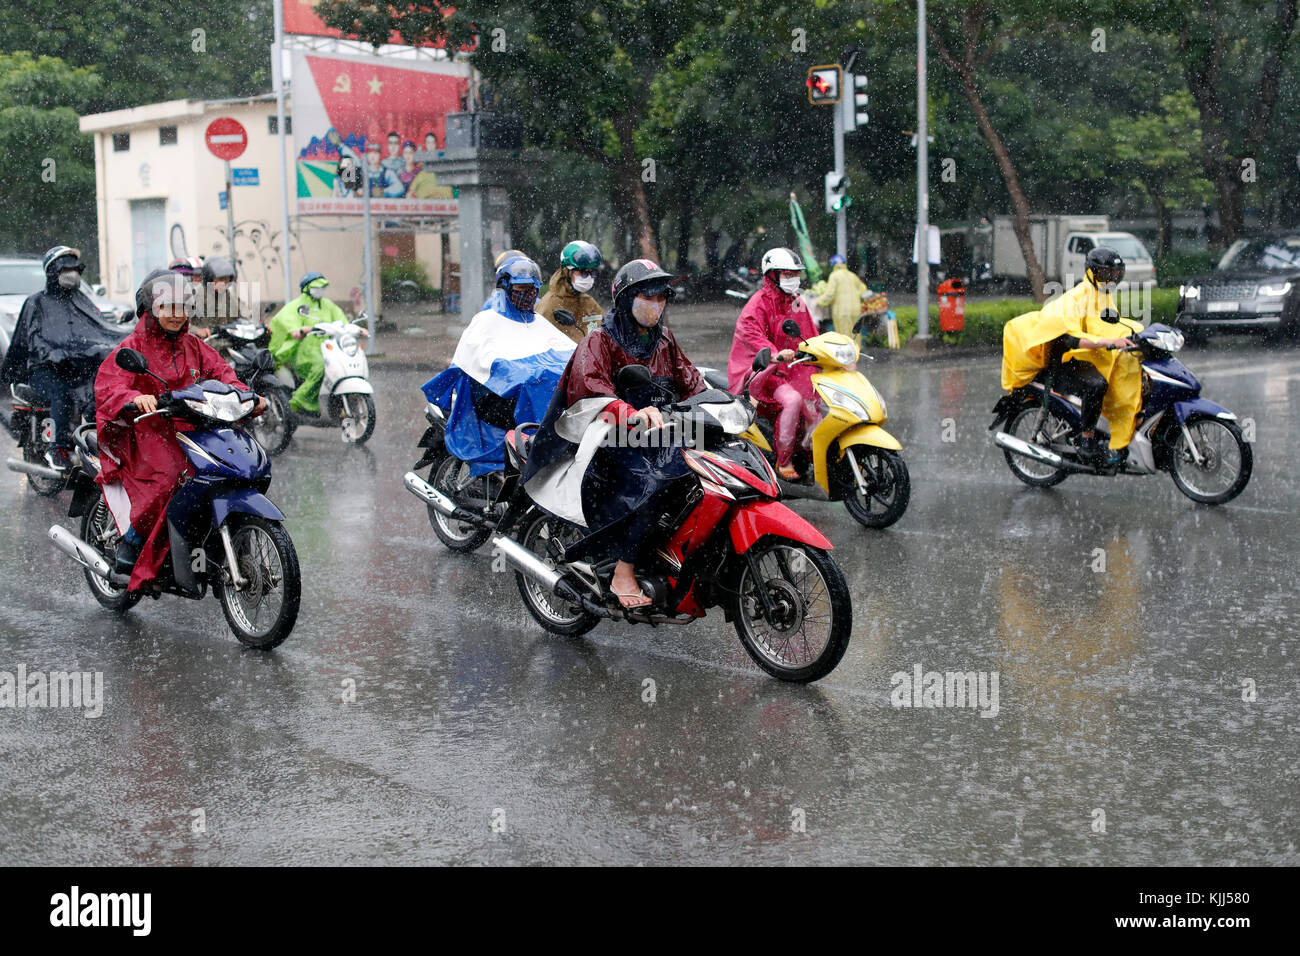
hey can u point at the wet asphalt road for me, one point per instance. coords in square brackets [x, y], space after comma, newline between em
[475, 737]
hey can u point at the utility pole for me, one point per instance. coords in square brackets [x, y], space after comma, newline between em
[922, 184]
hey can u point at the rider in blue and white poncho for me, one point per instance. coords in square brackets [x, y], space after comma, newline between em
[507, 352]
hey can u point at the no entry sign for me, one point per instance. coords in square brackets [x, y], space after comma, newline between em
[226, 138]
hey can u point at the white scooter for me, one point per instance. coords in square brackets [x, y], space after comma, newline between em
[345, 391]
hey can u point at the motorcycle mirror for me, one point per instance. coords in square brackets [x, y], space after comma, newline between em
[302, 310]
[1109, 315]
[762, 360]
[632, 376]
[791, 328]
[264, 361]
[564, 317]
[132, 361]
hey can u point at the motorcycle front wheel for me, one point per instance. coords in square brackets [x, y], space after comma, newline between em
[889, 486]
[263, 611]
[274, 427]
[800, 632]
[549, 610]
[356, 417]
[1225, 464]
[100, 532]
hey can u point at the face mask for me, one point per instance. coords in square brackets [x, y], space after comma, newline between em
[790, 286]
[523, 297]
[316, 293]
[646, 312]
[69, 278]
[581, 283]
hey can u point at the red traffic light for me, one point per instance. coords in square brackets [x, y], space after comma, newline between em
[823, 85]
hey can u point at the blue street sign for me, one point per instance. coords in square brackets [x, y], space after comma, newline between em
[245, 176]
[221, 198]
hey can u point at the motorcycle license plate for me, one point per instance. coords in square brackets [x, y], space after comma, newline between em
[1221, 307]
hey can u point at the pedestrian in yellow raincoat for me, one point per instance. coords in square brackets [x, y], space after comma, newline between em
[844, 292]
[1079, 331]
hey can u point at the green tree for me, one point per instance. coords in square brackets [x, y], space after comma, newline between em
[47, 176]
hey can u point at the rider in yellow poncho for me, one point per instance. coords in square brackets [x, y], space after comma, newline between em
[1074, 330]
[843, 293]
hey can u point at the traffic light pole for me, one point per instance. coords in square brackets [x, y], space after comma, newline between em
[841, 215]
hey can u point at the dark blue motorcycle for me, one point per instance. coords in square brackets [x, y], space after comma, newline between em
[1198, 442]
[224, 533]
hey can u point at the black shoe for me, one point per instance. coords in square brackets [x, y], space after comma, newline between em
[125, 558]
[58, 458]
[1093, 451]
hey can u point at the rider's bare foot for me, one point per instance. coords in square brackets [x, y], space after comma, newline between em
[625, 587]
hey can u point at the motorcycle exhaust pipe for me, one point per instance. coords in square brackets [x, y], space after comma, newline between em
[432, 496]
[79, 551]
[31, 468]
[1011, 443]
[525, 561]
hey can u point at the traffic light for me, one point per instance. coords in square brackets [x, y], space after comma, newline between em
[823, 85]
[837, 187]
[854, 107]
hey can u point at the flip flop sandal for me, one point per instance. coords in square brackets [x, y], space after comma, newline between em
[630, 594]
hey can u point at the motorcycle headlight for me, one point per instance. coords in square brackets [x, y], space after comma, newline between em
[223, 408]
[734, 417]
[1274, 290]
[842, 399]
[846, 355]
[348, 343]
[1189, 291]
[1170, 340]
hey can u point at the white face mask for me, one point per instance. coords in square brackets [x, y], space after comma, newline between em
[69, 278]
[647, 312]
[790, 286]
[581, 283]
[316, 293]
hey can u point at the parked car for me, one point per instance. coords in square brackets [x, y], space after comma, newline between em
[1256, 287]
[20, 276]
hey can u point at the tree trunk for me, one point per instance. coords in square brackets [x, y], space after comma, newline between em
[972, 20]
[1164, 222]
[630, 193]
[685, 219]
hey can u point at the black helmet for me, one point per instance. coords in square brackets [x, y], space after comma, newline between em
[641, 276]
[159, 285]
[1104, 265]
[218, 267]
[59, 258]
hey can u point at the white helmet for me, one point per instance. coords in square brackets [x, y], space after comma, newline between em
[781, 258]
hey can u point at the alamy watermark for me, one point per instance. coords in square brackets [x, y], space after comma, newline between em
[83, 690]
[928, 689]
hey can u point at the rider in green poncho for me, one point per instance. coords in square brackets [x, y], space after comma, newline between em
[291, 347]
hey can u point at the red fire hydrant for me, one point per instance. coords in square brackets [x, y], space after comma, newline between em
[952, 305]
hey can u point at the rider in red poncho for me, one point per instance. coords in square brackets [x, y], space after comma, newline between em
[141, 463]
[759, 327]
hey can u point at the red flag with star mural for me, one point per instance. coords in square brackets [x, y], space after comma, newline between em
[391, 112]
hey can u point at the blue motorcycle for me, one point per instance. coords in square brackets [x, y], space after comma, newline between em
[1198, 442]
[224, 533]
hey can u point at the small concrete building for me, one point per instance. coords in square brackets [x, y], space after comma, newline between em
[159, 193]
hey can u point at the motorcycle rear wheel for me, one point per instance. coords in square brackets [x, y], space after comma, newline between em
[100, 532]
[268, 564]
[1023, 425]
[45, 487]
[552, 612]
[808, 593]
[457, 535]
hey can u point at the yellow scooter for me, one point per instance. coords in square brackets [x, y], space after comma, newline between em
[853, 459]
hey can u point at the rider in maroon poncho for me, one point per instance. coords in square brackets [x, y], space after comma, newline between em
[141, 463]
[759, 327]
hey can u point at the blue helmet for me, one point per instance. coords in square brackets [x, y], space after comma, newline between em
[837, 260]
[518, 270]
[310, 279]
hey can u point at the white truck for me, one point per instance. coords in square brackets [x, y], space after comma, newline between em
[1062, 243]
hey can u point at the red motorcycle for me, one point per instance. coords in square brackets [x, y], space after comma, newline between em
[723, 540]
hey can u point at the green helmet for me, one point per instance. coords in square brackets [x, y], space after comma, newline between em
[580, 255]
